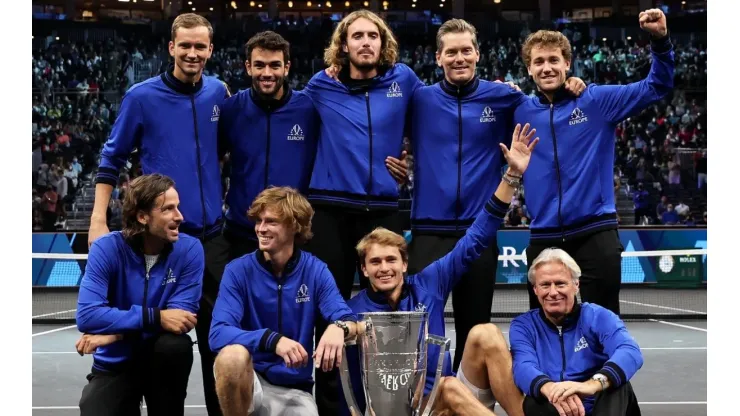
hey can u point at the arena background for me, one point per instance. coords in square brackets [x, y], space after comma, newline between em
[87, 53]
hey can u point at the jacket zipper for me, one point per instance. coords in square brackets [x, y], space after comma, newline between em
[280, 308]
[458, 206]
[200, 173]
[370, 136]
[562, 349]
[267, 152]
[146, 290]
[557, 172]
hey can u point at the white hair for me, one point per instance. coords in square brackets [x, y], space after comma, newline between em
[554, 255]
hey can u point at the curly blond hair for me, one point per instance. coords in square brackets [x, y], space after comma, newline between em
[289, 205]
[335, 55]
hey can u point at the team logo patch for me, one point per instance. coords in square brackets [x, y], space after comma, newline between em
[487, 116]
[394, 91]
[296, 133]
[577, 117]
[216, 113]
[302, 295]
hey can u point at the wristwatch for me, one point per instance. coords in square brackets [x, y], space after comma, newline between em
[601, 379]
[344, 327]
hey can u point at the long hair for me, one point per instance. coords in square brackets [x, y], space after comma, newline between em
[289, 205]
[141, 195]
[335, 55]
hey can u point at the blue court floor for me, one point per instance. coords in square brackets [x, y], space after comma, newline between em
[672, 382]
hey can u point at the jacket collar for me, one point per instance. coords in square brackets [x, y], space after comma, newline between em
[360, 85]
[137, 245]
[268, 104]
[169, 79]
[561, 94]
[570, 320]
[456, 91]
[289, 266]
[380, 298]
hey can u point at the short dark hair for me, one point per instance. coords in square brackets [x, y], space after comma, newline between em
[141, 195]
[270, 41]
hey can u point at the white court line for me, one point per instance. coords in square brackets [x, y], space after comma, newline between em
[53, 313]
[662, 307]
[680, 325]
[51, 331]
[202, 406]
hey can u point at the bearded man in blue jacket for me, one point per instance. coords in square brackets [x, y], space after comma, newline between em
[569, 185]
[138, 299]
[569, 358]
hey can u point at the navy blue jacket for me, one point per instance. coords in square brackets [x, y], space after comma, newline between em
[428, 291]
[361, 124]
[255, 309]
[118, 296]
[591, 340]
[271, 143]
[569, 184]
[455, 134]
[174, 126]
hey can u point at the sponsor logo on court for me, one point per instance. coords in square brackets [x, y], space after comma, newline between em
[302, 295]
[171, 278]
[296, 133]
[216, 113]
[487, 116]
[577, 117]
[394, 91]
[581, 344]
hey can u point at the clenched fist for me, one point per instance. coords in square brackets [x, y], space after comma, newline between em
[177, 321]
[653, 21]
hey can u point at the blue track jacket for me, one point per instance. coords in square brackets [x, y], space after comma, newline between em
[255, 309]
[272, 143]
[569, 183]
[455, 135]
[428, 291]
[361, 124]
[174, 126]
[118, 296]
[592, 340]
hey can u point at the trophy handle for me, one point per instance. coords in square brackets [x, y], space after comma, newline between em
[444, 347]
[344, 376]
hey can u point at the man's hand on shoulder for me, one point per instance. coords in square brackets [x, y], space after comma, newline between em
[291, 352]
[575, 86]
[510, 84]
[177, 321]
[88, 343]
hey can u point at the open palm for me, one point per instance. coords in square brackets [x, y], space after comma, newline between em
[521, 148]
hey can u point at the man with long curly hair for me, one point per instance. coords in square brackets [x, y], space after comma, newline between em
[363, 117]
[138, 300]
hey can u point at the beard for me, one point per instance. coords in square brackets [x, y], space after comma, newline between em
[279, 82]
[364, 65]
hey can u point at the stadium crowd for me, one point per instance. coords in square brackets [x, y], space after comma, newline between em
[77, 87]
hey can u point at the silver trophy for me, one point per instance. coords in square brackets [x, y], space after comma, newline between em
[393, 361]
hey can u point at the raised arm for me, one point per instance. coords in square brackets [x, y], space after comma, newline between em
[617, 102]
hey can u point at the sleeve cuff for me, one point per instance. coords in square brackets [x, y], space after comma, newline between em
[152, 318]
[661, 45]
[108, 176]
[613, 373]
[537, 384]
[496, 207]
[269, 341]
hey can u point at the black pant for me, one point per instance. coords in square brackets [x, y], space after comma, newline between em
[219, 251]
[473, 296]
[599, 256]
[336, 233]
[159, 372]
[613, 402]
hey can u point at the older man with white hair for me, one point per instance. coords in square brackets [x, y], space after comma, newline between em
[568, 358]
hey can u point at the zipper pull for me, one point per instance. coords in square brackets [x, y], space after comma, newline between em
[551, 105]
[367, 93]
[147, 275]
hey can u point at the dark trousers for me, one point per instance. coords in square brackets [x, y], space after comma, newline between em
[159, 372]
[336, 233]
[599, 256]
[219, 251]
[613, 402]
[473, 296]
